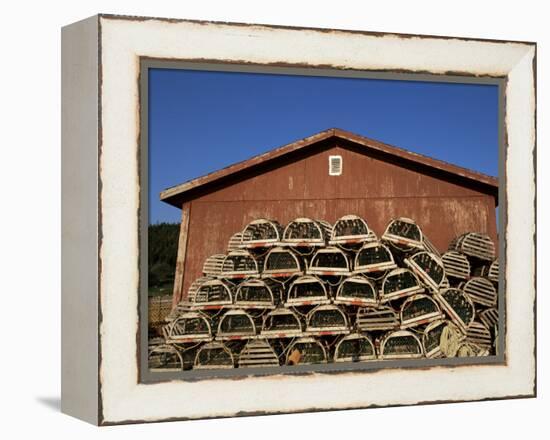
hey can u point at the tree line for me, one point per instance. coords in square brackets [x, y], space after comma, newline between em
[163, 249]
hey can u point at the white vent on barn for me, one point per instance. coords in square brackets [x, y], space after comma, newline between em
[335, 164]
[304, 232]
[357, 291]
[373, 257]
[327, 320]
[490, 271]
[474, 244]
[213, 265]
[214, 355]
[489, 317]
[281, 323]
[351, 230]
[419, 310]
[257, 294]
[261, 233]
[236, 324]
[404, 234]
[165, 358]
[428, 267]
[354, 348]
[481, 291]
[456, 265]
[212, 294]
[307, 290]
[282, 263]
[306, 351]
[189, 327]
[441, 339]
[478, 334]
[239, 264]
[458, 306]
[258, 353]
[329, 261]
[401, 344]
[400, 283]
[375, 319]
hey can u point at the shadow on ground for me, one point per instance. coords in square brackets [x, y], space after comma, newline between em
[52, 403]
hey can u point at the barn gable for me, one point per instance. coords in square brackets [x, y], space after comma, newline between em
[325, 142]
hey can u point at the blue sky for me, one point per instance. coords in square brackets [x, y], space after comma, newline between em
[201, 121]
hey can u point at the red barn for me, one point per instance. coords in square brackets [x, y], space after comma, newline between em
[326, 176]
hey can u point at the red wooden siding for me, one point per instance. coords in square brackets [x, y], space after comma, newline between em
[370, 187]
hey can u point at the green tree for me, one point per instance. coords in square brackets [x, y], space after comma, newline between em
[163, 249]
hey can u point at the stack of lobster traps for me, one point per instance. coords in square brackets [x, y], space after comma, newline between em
[313, 293]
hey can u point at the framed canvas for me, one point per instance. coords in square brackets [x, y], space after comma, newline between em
[203, 278]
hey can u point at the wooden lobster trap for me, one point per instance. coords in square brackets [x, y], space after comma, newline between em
[192, 291]
[403, 234]
[481, 291]
[357, 291]
[305, 291]
[441, 339]
[489, 317]
[490, 271]
[235, 241]
[306, 351]
[234, 325]
[212, 266]
[350, 231]
[474, 244]
[373, 257]
[478, 334]
[419, 310]
[467, 349]
[458, 306]
[400, 283]
[188, 327]
[354, 348]
[258, 294]
[281, 323]
[261, 233]
[401, 344]
[329, 261]
[214, 355]
[258, 353]
[211, 294]
[239, 264]
[456, 265]
[306, 233]
[165, 358]
[381, 318]
[326, 320]
[428, 267]
[282, 263]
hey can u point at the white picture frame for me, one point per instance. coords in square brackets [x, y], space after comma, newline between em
[101, 201]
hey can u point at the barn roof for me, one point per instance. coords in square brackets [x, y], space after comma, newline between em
[191, 189]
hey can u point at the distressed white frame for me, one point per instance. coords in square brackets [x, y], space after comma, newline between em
[122, 42]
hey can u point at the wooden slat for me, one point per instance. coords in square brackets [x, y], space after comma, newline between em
[182, 253]
[456, 265]
[481, 291]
